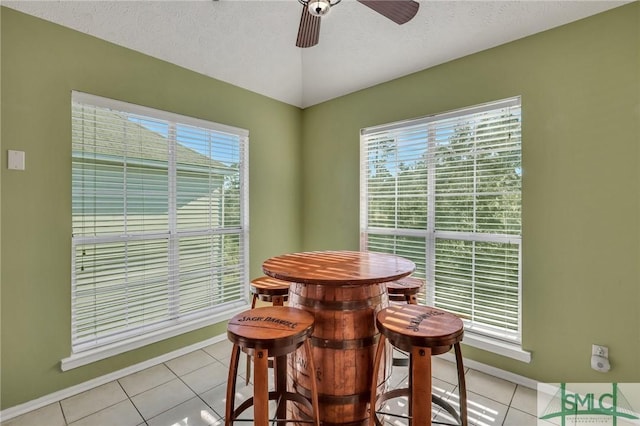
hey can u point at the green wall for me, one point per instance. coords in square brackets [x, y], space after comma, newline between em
[580, 88]
[41, 64]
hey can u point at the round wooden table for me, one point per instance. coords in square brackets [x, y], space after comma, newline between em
[344, 290]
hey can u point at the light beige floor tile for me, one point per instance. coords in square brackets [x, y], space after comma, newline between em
[443, 417]
[121, 414]
[447, 393]
[525, 399]
[438, 387]
[92, 401]
[216, 397]
[50, 415]
[162, 398]
[444, 370]
[398, 407]
[146, 379]
[482, 410]
[193, 412]
[489, 386]
[221, 351]
[396, 411]
[242, 372]
[206, 378]
[443, 389]
[398, 376]
[189, 362]
[626, 422]
[519, 418]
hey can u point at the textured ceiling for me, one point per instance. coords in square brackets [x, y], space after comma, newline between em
[251, 44]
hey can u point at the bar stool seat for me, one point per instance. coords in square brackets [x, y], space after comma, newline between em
[263, 333]
[405, 290]
[421, 331]
[269, 289]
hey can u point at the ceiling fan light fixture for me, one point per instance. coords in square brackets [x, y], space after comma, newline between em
[319, 7]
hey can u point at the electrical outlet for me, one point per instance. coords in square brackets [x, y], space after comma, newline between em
[598, 350]
[15, 160]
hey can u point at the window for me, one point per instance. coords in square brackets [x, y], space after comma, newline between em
[159, 243]
[444, 191]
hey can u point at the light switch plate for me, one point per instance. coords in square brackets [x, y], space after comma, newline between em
[15, 160]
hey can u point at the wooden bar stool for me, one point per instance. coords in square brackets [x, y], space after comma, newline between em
[267, 289]
[405, 290]
[263, 333]
[421, 331]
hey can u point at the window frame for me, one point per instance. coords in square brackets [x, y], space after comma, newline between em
[173, 325]
[475, 334]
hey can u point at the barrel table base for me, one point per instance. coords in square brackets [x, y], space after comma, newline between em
[343, 345]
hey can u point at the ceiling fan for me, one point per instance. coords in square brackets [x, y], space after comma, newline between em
[399, 11]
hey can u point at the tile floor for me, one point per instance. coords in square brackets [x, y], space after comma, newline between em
[190, 391]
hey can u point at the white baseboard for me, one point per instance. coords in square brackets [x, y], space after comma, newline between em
[494, 371]
[18, 410]
[54, 397]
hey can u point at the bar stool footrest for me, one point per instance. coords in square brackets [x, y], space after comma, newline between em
[274, 396]
[435, 400]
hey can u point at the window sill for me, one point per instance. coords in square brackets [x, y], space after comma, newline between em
[506, 349]
[92, 355]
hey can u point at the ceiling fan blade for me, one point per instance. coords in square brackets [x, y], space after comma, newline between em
[399, 11]
[309, 30]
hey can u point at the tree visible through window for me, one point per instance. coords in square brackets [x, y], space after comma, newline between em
[159, 226]
[445, 192]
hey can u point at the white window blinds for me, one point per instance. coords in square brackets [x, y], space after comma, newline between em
[444, 191]
[159, 223]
